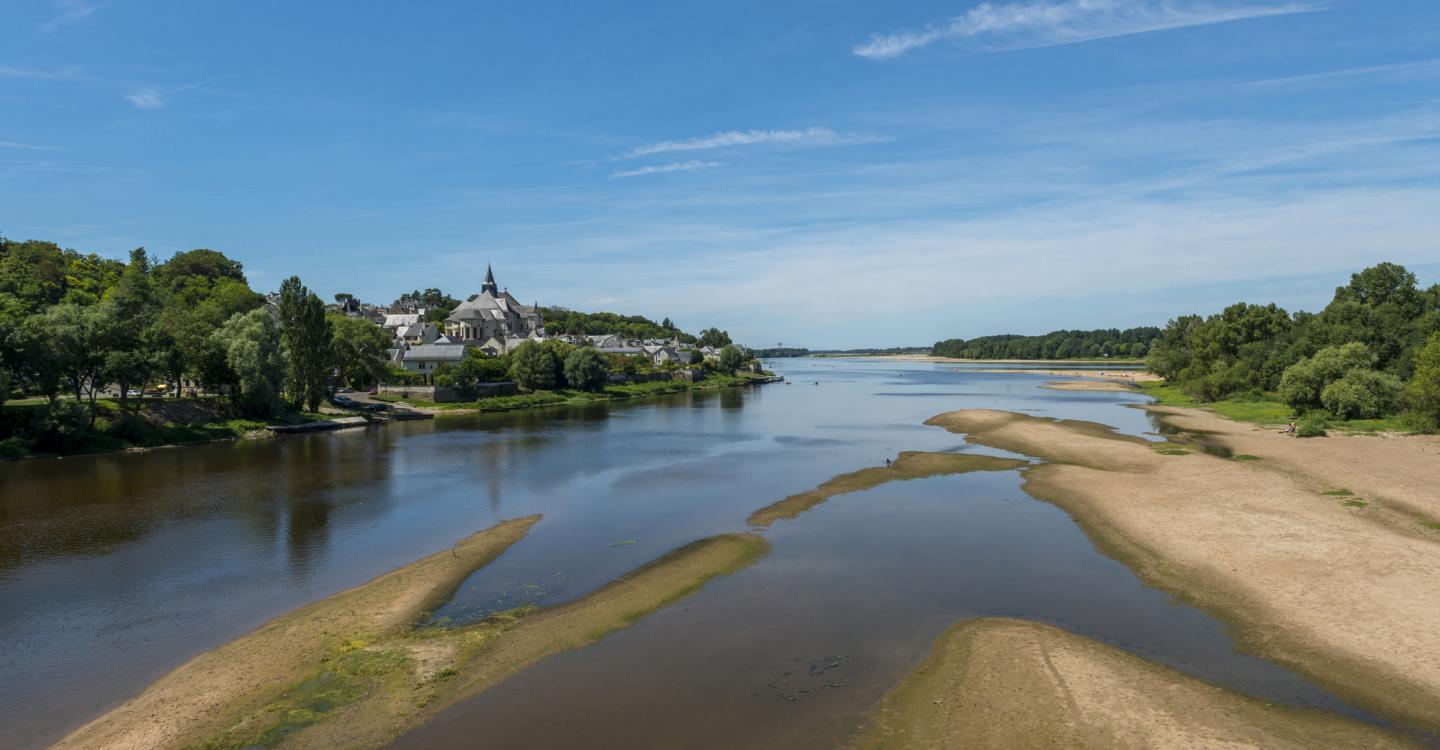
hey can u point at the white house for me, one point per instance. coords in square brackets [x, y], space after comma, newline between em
[427, 358]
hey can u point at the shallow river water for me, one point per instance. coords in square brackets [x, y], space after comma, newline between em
[115, 569]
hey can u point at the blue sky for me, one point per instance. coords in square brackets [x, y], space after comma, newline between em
[828, 174]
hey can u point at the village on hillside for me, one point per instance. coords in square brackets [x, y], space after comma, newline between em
[495, 322]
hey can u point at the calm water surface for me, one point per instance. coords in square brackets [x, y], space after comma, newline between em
[115, 569]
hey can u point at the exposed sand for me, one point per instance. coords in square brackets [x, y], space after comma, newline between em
[1401, 473]
[1338, 592]
[909, 465]
[447, 665]
[186, 704]
[1115, 376]
[1089, 385]
[353, 671]
[1003, 684]
[1058, 362]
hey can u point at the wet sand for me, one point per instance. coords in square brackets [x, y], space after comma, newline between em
[353, 671]
[909, 465]
[1308, 580]
[1004, 683]
[193, 700]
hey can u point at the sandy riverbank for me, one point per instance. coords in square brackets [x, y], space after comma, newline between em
[354, 671]
[1058, 362]
[1000, 683]
[1341, 592]
[240, 676]
[1117, 376]
[909, 465]
[1110, 386]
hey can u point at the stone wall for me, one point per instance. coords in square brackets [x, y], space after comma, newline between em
[440, 394]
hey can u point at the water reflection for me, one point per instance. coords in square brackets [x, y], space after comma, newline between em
[116, 568]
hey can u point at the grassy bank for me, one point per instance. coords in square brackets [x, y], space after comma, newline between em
[574, 397]
[1262, 409]
[147, 423]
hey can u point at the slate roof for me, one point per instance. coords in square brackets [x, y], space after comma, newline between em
[435, 353]
[396, 320]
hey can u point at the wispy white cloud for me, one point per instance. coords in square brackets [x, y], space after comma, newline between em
[815, 136]
[151, 97]
[62, 74]
[1401, 71]
[679, 166]
[29, 146]
[71, 11]
[991, 27]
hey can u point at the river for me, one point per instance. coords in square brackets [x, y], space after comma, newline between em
[116, 568]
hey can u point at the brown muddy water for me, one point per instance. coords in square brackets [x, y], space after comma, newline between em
[115, 569]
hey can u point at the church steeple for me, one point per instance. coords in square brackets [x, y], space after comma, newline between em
[489, 285]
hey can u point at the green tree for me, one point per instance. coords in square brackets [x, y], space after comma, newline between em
[1303, 382]
[306, 334]
[358, 350]
[208, 265]
[136, 347]
[533, 367]
[1423, 391]
[1362, 394]
[476, 367]
[714, 337]
[78, 341]
[730, 359]
[586, 369]
[256, 361]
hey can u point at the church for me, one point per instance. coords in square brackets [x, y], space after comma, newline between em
[492, 314]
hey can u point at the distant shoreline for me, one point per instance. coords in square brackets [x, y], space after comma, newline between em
[931, 358]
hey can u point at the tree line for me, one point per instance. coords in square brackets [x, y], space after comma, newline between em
[1373, 351]
[1102, 343]
[72, 324]
[555, 365]
[560, 320]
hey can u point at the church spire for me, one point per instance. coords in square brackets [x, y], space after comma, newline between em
[489, 285]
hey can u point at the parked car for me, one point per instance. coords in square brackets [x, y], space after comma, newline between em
[344, 402]
[373, 391]
[343, 389]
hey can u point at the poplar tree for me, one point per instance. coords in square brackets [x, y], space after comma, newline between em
[307, 335]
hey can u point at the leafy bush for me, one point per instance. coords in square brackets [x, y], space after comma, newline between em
[731, 359]
[402, 376]
[62, 428]
[1302, 384]
[1313, 424]
[533, 367]
[586, 370]
[12, 447]
[476, 367]
[129, 427]
[1362, 394]
[1423, 393]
